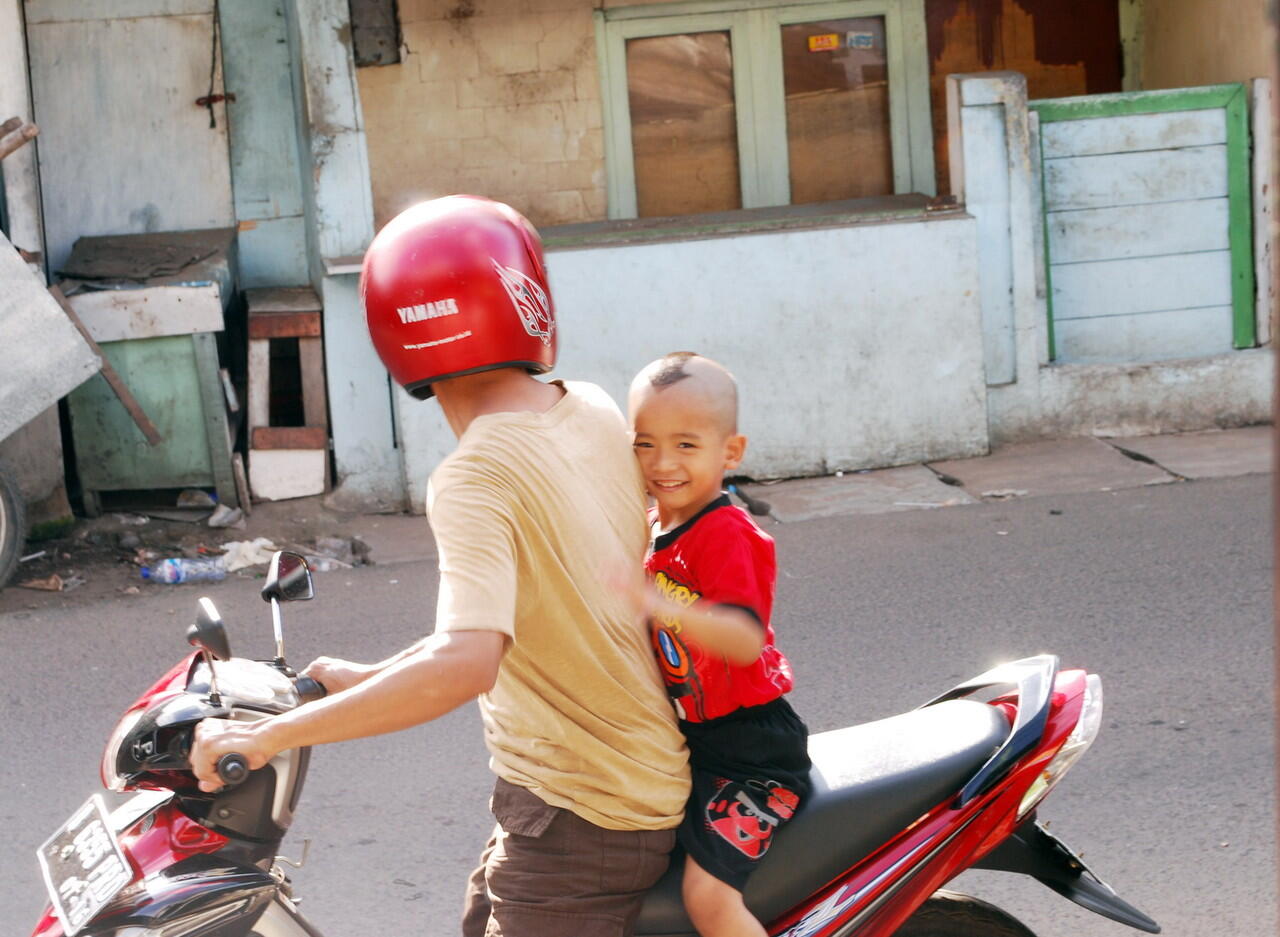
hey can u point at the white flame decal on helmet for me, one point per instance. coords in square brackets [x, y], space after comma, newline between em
[530, 300]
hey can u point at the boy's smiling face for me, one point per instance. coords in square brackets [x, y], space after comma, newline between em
[684, 443]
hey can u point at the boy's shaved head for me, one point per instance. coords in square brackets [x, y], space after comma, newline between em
[692, 374]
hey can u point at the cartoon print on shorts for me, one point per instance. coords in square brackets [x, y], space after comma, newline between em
[736, 814]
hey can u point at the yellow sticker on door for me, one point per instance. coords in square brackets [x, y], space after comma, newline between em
[827, 42]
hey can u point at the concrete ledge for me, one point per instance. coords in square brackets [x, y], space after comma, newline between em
[1158, 397]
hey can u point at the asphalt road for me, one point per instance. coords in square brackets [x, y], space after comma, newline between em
[1164, 591]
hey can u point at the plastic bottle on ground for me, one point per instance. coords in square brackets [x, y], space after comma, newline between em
[179, 569]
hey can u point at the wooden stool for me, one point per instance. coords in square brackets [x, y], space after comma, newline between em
[287, 461]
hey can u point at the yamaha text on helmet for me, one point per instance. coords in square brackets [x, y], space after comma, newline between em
[454, 286]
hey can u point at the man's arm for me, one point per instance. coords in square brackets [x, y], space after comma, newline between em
[428, 680]
[337, 674]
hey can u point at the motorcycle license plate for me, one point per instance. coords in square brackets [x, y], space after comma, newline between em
[83, 866]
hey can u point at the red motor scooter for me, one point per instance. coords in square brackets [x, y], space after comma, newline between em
[899, 807]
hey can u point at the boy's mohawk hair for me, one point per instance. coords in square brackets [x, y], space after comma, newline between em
[671, 368]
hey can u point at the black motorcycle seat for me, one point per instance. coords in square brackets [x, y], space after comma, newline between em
[869, 782]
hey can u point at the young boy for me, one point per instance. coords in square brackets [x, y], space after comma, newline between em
[713, 576]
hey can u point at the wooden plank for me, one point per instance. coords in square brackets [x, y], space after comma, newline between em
[1263, 162]
[9, 144]
[215, 417]
[1241, 224]
[1138, 230]
[1135, 178]
[1144, 284]
[151, 312]
[259, 383]
[242, 483]
[1100, 135]
[59, 11]
[284, 324]
[1134, 102]
[289, 437]
[1160, 336]
[282, 299]
[315, 406]
[109, 373]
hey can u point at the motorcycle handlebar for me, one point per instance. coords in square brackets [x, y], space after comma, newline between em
[233, 768]
[309, 689]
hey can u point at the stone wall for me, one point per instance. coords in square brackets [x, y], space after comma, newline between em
[492, 97]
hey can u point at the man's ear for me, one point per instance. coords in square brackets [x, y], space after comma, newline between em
[735, 447]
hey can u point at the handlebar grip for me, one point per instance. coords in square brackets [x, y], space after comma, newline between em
[309, 689]
[233, 769]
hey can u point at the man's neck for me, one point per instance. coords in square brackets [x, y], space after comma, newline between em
[504, 390]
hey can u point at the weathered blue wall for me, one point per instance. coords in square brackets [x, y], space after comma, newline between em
[265, 169]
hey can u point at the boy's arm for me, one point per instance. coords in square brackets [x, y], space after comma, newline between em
[722, 629]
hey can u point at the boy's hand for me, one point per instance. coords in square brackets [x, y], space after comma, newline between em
[633, 585]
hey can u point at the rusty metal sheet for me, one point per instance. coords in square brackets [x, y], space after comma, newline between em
[42, 355]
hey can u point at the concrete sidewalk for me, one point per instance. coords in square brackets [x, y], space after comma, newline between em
[1053, 467]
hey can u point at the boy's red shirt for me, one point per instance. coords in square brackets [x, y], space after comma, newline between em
[721, 557]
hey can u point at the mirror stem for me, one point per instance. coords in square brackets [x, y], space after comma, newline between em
[215, 698]
[279, 630]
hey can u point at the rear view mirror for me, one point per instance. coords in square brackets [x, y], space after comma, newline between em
[288, 579]
[208, 633]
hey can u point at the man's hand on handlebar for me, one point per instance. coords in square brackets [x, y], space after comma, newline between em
[217, 737]
[336, 674]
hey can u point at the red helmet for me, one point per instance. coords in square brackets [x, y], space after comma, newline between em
[454, 286]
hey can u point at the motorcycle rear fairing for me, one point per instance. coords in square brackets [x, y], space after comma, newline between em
[1033, 850]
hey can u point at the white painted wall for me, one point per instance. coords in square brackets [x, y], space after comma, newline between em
[1217, 388]
[854, 346]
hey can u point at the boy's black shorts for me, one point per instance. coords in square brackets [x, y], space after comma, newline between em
[750, 774]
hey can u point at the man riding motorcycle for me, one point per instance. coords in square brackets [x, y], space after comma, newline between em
[540, 492]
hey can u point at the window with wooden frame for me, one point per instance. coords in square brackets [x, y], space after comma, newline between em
[716, 105]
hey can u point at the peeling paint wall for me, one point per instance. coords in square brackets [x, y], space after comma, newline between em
[1197, 42]
[1063, 48]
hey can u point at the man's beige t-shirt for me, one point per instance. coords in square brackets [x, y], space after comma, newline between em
[532, 513]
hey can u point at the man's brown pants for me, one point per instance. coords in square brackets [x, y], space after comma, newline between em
[547, 872]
